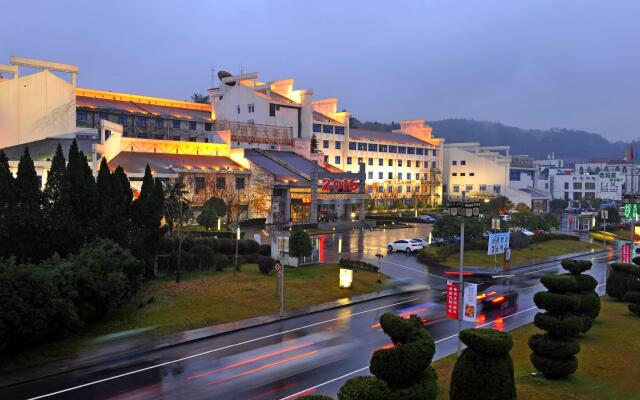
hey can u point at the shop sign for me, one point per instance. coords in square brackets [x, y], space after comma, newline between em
[346, 185]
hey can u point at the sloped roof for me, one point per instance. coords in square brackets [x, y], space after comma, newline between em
[320, 117]
[168, 163]
[276, 169]
[386, 137]
[149, 110]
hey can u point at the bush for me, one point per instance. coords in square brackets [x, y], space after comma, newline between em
[300, 244]
[266, 264]
[556, 302]
[634, 299]
[227, 246]
[248, 246]
[546, 346]
[486, 363]
[620, 280]
[559, 283]
[202, 256]
[554, 367]
[563, 325]
[357, 388]
[265, 250]
[221, 261]
[357, 264]
[437, 254]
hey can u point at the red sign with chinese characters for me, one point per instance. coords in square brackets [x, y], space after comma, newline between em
[452, 300]
[344, 185]
[626, 253]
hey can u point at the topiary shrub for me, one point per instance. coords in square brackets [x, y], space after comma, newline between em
[620, 280]
[634, 299]
[227, 246]
[266, 264]
[485, 363]
[265, 250]
[554, 352]
[400, 372]
[589, 300]
[221, 261]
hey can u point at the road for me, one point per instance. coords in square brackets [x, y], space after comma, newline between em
[309, 354]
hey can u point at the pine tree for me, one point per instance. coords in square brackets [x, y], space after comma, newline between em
[314, 144]
[7, 204]
[83, 193]
[147, 212]
[27, 235]
[114, 198]
[57, 208]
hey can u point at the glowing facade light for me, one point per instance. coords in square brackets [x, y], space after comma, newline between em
[238, 233]
[346, 277]
[219, 221]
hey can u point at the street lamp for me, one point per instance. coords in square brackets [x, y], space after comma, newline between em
[463, 209]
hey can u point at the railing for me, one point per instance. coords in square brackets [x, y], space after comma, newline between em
[257, 133]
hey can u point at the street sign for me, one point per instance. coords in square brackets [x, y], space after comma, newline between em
[630, 210]
[470, 302]
[498, 243]
[452, 300]
[495, 224]
[626, 253]
[278, 267]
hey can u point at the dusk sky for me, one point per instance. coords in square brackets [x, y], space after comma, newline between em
[531, 64]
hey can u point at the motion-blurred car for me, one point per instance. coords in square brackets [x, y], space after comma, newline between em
[408, 246]
[427, 218]
[498, 297]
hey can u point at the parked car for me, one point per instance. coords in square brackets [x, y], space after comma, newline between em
[423, 241]
[408, 246]
[427, 218]
[436, 241]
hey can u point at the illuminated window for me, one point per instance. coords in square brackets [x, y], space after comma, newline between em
[317, 128]
[327, 128]
[337, 160]
[337, 145]
[221, 182]
[239, 183]
[176, 124]
[339, 130]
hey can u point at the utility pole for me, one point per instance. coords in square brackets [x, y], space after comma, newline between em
[461, 278]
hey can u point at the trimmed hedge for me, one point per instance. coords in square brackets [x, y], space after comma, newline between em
[266, 264]
[357, 388]
[556, 347]
[554, 367]
[589, 300]
[556, 302]
[559, 283]
[620, 280]
[484, 364]
[634, 299]
[357, 264]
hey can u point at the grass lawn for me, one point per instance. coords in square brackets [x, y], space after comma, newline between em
[207, 298]
[609, 366]
[535, 252]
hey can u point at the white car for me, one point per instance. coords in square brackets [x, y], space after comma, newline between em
[423, 241]
[405, 245]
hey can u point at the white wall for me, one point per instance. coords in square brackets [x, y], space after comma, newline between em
[485, 170]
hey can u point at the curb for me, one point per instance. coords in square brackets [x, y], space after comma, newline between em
[195, 335]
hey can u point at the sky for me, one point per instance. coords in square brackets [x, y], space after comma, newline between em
[527, 63]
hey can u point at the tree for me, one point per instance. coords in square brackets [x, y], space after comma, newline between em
[7, 204]
[27, 235]
[521, 207]
[114, 199]
[496, 206]
[200, 98]
[177, 212]
[586, 292]
[314, 144]
[558, 205]
[448, 227]
[300, 244]
[58, 211]
[84, 194]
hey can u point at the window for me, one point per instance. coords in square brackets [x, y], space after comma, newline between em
[577, 185]
[454, 162]
[325, 144]
[399, 189]
[105, 116]
[337, 158]
[469, 188]
[370, 161]
[338, 145]
[159, 123]
[380, 189]
[434, 165]
[370, 189]
[352, 145]
[362, 146]
[380, 162]
[393, 149]
[360, 160]
[199, 183]
[326, 159]
[380, 175]
[176, 124]
[389, 189]
[483, 188]
[272, 110]
[122, 120]
[251, 108]
[239, 183]
[591, 186]
[372, 147]
[221, 182]
[472, 174]
[390, 163]
[514, 175]
[327, 128]
[390, 175]
[426, 176]
[435, 153]
[207, 126]
[456, 188]
[420, 151]
[463, 162]
[408, 188]
[566, 186]
[402, 150]
[454, 174]
[462, 174]
[192, 139]
[82, 116]
[399, 163]
[349, 160]
[496, 188]
[417, 189]
[417, 163]
[141, 121]
[339, 130]
[317, 128]
[411, 150]
[370, 175]
[382, 148]
[192, 125]
[399, 175]
[409, 163]
[238, 108]
[417, 175]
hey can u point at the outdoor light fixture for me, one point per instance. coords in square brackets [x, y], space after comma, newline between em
[346, 278]
[218, 223]
[340, 245]
[238, 233]
[353, 215]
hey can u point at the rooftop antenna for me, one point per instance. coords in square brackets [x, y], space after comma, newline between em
[213, 76]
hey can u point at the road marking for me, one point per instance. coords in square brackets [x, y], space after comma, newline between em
[219, 349]
[413, 269]
[544, 269]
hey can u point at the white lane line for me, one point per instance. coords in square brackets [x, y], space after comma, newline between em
[219, 349]
[413, 269]
[543, 269]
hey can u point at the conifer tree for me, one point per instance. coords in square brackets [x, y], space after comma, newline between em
[26, 218]
[7, 204]
[147, 213]
[58, 211]
[83, 193]
[114, 198]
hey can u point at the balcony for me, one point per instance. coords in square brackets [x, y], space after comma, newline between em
[257, 133]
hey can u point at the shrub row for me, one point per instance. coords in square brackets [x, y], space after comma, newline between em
[50, 300]
[357, 264]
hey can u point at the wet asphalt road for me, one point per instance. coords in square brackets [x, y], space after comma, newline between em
[309, 354]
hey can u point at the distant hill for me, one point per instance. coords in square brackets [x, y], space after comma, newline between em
[567, 144]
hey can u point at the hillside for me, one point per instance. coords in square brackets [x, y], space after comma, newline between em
[568, 144]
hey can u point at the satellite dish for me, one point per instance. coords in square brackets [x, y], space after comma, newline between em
[224, 74]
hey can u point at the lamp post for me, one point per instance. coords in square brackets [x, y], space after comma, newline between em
[463, 209]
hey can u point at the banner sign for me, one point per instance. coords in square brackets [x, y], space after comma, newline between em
[498, 243]
[452, 300]
[626, 253]
[470, 302]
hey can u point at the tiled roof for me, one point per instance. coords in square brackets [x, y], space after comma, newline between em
[144, 109]
[385, 137]
[279, 171]
[167, 163]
